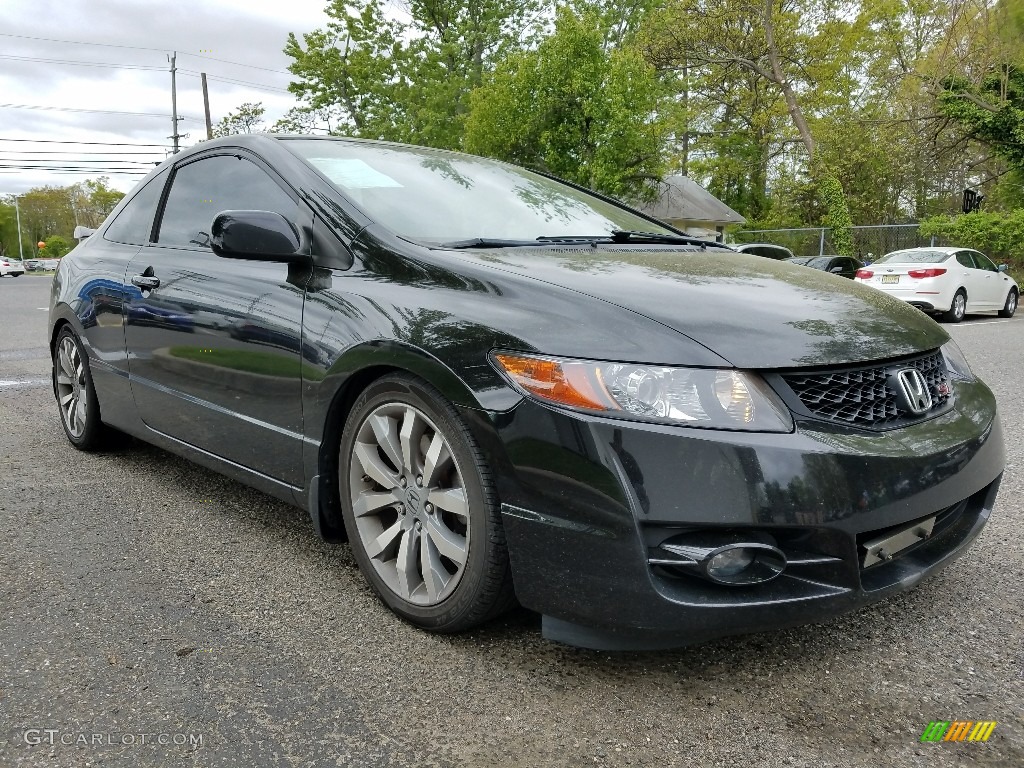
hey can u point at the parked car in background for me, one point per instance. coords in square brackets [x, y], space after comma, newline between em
[844, 266]
[949, 282]
[12, 267]
[503, 387]
[767, 250]
[33, 265]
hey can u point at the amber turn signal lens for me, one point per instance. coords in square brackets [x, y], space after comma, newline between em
[569, 384]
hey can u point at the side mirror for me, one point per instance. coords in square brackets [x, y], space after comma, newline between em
[256, 235]
[1003, 267]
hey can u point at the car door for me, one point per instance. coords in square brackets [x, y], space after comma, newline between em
[994, 287]
[971, 278]
[214, 344]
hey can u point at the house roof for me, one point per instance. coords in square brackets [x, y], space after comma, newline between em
[680, 197]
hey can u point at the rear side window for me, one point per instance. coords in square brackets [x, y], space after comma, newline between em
[203, 188]
[134, 223]
[965, 259]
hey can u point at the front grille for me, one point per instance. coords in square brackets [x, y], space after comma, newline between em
[862, 396]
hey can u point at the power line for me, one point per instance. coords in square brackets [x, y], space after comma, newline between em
[96, 111]
[111, 163]
[148, 153]
[233, 81]
[141, 48]
[90, 143]
[73, 169]
[142, 67]
[236, 63]
[81, 63]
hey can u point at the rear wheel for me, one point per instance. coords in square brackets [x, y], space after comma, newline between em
[1011, 304]
[958, 308]
[76, 395]
[420, 508]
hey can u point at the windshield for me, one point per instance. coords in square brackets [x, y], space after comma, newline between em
[435, 196]
[913, 257]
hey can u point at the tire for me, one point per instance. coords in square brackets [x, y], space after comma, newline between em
[1011, 304]
[17, 274]
[73, 387]
[958, 307]
[420, 508]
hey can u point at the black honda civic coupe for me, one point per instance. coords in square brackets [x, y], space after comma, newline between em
[501, 388]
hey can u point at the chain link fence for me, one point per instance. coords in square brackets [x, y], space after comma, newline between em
[869, 242]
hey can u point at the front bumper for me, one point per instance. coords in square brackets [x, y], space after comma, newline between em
[586, 502]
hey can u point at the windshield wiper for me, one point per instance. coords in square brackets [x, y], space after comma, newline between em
[630, 236]
[488, 242]
[616, 236]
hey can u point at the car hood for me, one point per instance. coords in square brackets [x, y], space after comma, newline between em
[751, 311]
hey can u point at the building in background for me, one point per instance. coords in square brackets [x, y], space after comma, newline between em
[686, 205]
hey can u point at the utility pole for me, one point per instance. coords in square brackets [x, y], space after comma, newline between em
[206, 106]
[174, 102]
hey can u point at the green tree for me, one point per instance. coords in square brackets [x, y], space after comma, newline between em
[46, 211]
[8, 230]
[575, 108]
[56, 246]
[247, 118]
[93, 200]
[800, 51]
[410, 79]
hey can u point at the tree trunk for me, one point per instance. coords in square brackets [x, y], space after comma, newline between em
[780, 79]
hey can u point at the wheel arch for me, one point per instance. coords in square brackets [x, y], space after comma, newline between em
[351, 374]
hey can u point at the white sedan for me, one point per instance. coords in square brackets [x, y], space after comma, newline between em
[950, 282]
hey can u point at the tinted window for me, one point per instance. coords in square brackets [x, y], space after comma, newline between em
[983, 262]
[134, 223]
[965, 258]
[913, 256]
[204, 188]
[437, 196]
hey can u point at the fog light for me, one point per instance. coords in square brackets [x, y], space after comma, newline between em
[730, 562]
[732, 558]
[744, 564]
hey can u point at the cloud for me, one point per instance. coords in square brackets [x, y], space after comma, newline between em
[207, 35]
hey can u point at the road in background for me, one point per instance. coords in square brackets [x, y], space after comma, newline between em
[144, 597]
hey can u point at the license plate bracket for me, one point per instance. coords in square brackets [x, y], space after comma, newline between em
[883, 548]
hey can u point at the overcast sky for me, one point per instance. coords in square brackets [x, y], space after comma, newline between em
[248, 32]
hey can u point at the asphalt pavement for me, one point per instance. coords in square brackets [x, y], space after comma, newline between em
[153, 613]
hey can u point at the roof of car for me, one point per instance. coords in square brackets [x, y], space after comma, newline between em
[934, 249]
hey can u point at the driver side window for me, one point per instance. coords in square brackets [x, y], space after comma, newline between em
[202, 189]
[984, 262]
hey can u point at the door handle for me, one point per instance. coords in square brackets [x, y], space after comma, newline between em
[146, 282]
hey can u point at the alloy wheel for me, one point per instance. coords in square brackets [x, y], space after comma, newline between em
[409, 503]
[959, 305]
[1011, 303]
[72, 389]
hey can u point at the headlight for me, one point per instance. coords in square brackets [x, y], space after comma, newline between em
[712, 398]
[956, 362]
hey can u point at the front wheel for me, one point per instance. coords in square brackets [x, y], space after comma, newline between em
[1011, 304]
[420, 508]
[958, 308]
